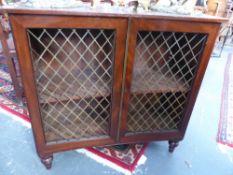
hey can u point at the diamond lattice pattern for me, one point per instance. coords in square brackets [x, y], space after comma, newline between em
[73, 73]
[164, 67]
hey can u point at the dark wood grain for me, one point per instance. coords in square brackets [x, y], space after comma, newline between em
[109, 12]
[25, 62]
[126, 25]
[213, 32]
[19, 26]
[167, 26]
[118, 75]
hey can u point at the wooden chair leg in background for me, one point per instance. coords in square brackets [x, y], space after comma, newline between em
[10, 53]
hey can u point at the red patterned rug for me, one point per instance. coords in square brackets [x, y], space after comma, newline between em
[225, 130]
[125, 160]
[7, 95]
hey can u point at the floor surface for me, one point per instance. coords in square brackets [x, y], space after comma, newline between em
[198, 153]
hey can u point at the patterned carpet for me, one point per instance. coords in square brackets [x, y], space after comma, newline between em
[7, 95]
[225, 131]
[125, 159]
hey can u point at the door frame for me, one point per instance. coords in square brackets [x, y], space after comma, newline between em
[137, 24]
[20, 24]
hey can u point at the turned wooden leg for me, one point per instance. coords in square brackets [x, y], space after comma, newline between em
[172, 145]
[47, 161]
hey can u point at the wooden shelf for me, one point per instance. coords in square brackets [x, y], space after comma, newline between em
[59, 80]
[154, 82]
[151, 82]
[90, 89]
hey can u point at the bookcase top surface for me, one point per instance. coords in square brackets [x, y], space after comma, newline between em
[106, 10]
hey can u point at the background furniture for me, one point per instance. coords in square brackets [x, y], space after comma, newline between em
[109, 78]
[8, 50]
[217, 7]
[226, 32]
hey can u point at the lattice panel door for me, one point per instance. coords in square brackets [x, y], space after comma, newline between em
[73, 74]
[164, 68]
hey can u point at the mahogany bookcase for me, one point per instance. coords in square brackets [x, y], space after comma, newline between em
[96, 78]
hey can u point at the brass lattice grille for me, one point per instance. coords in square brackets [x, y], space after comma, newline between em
[73, 73]
[164, 67]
